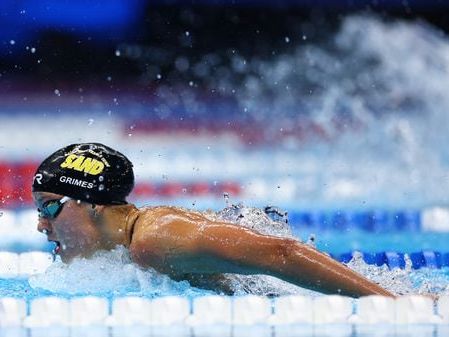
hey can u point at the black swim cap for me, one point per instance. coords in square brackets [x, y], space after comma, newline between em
[90, 172]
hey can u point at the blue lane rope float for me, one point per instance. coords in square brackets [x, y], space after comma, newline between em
[427, 259]
[423, 259]
[372, 221]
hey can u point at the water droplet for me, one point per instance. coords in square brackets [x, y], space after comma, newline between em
[33, 50]
[184, 190]
[90, 121]
[117, 53]
[287, 39]
[158, 76]
[187, 33]
[101, 187]
[57, 92]
[109, 78]
[100, 178]
[226, 198]
[191, 83]
[311, 241]
[304, 37]
[12, 42]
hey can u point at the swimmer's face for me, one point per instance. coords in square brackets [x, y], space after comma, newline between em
[73, 229]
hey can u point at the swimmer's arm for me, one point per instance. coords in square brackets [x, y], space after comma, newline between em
[287, 259]
[188, 246]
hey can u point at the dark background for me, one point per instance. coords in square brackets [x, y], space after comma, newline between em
[129, 43]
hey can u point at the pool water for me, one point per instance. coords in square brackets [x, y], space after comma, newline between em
[337, 242]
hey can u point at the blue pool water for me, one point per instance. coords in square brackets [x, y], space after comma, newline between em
[406, 242]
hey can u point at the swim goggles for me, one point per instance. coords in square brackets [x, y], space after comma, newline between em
[51, 208]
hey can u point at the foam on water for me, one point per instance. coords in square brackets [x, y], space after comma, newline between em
[108, 273]
[404, 281]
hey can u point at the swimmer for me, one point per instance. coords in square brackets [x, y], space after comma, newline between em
[81, 192]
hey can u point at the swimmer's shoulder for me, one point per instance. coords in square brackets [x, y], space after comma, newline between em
[159, 231]
[153, 217]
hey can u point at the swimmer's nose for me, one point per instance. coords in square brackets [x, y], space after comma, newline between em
[44, 226]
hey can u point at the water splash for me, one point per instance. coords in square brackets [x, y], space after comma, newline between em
[108, 274]
[358, 104]
[253, 218]
[372, 104]
[404, 281]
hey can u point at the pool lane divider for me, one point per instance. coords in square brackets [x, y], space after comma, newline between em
[431, 219]
[423, 259]
[370, 220]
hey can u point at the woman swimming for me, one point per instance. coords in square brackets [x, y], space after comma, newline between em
[80, 191]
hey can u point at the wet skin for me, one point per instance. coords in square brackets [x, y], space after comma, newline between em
[178, 242]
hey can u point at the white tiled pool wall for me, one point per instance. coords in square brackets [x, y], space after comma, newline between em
[218, 310]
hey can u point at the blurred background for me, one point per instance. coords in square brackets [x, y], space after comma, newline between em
[334, 111]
